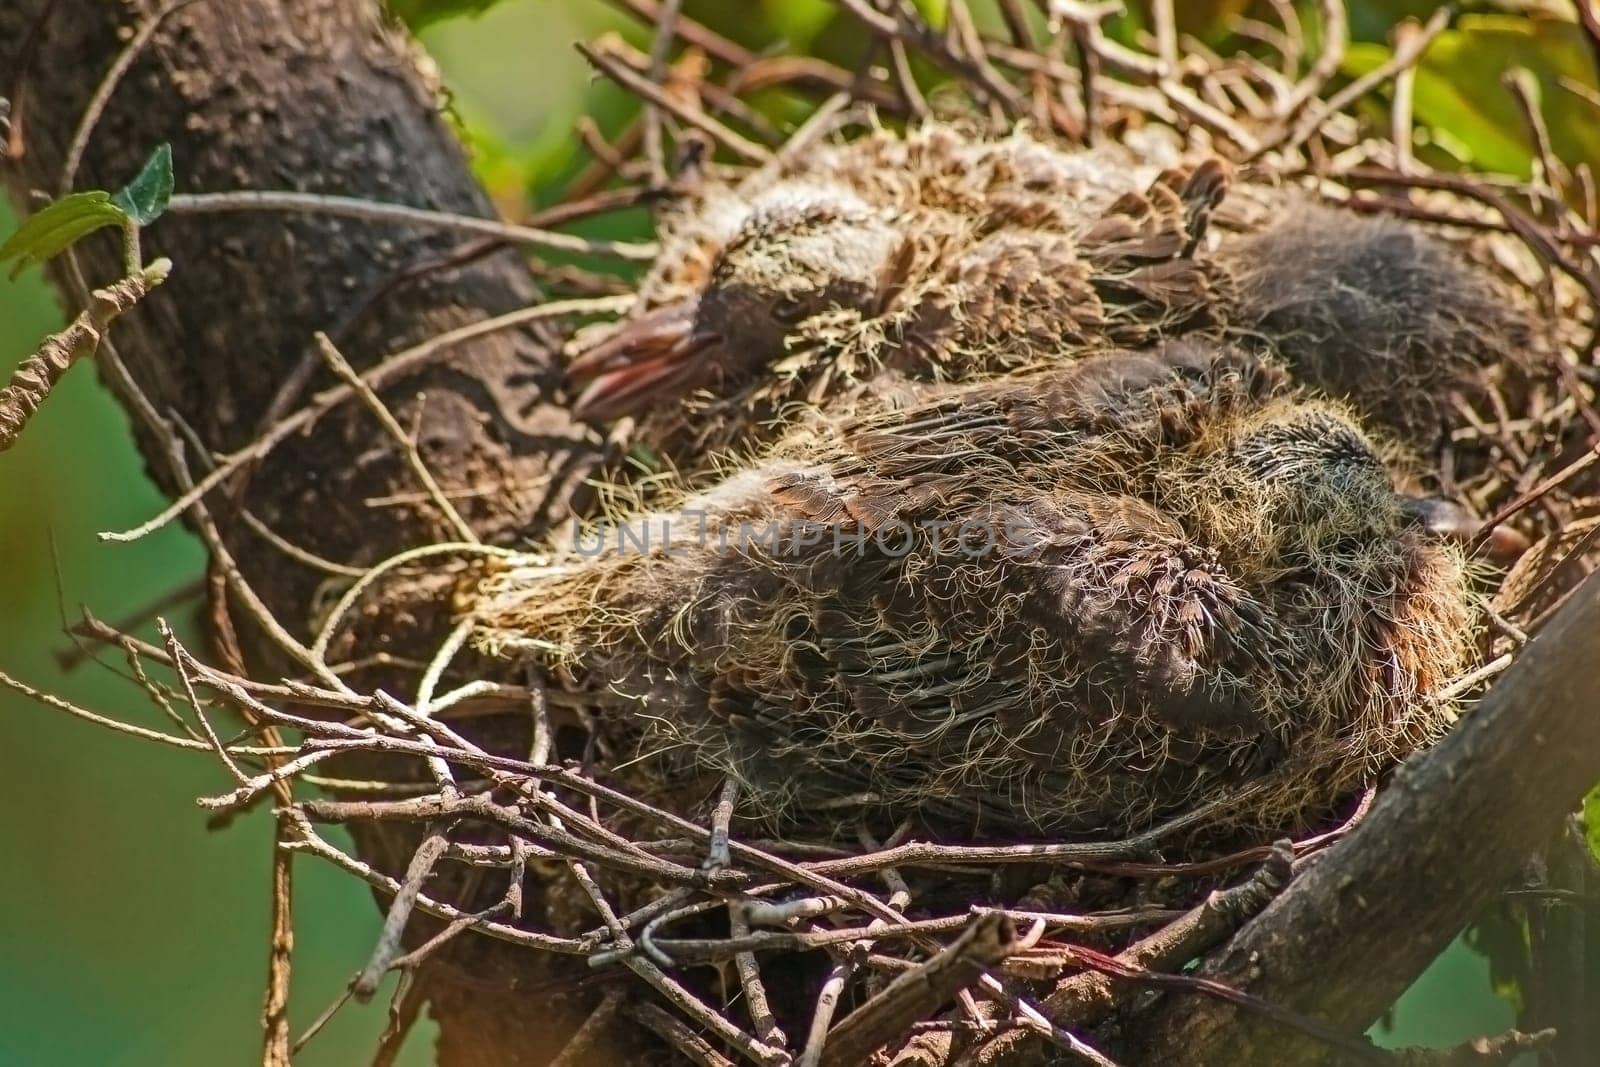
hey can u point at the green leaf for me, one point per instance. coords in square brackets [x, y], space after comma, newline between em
[53, 229]
[1479, 127]
[935, 11]
[1461, 100]
[1591, 820]
[798, 21]
[146, 197]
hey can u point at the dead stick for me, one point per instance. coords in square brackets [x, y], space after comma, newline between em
[1088, 996]
[686, 1041]
[394, 924]
[640, 86]
[918, 993]
[39, 373]
[1407, 54]
[585, 1045]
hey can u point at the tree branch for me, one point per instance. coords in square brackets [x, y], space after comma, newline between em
[1353, 931]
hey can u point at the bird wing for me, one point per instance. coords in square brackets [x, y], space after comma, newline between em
[1167, 220]
[1127, 588]
[1091, 421]
[974, 686]
[1116, 582]
[1141, 253]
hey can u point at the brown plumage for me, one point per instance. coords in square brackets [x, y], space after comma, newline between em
[887, 261]
[1070, 600]
[1371, 309]
[941, 258]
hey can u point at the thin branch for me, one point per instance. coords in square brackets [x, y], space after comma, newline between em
[408, 445]
[294, 551]
[1408, 52]
[275, 1045]
[762, 1019]
[306, 839]
[907, 25]
[1401, 122]
[249, 599]
[1087, 997]
[50, 700]
[608, 63]
[404, 1010]
[1589, 19]
[351, 596]
[680, 1037]
[388, 947]
[1335, 39]
[194, 704]
[351, 207]
[827, 1003]
[720, 48]
[1166, 28]
[388, 370]
[588, 1040]
[36, 376]
[906, 80]
[917, 993]
[1524, 87]
[666, 26]
[1505, 1048]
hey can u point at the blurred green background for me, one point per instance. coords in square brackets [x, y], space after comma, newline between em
[132, 935]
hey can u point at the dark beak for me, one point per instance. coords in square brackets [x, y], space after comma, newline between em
[647, 361]
[1455, 523]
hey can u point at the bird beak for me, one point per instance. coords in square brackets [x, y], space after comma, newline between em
[1455, 523]
[648, 360]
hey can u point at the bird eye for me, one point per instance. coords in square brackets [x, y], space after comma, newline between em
[789, 310]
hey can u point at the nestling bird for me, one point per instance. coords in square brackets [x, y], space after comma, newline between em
[938, 257]
[1069, 600]
[932, 258]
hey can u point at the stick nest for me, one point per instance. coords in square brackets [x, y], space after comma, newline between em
[499, 812]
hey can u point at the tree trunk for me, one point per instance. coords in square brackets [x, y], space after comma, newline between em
[318, 96]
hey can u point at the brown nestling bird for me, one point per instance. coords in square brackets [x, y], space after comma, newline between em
[893, 261]
[1068, 600]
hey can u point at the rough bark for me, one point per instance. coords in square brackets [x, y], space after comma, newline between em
[321, 96]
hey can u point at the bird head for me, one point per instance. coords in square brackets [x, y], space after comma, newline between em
[803, 249]
[1304, 480]
[1299, 485]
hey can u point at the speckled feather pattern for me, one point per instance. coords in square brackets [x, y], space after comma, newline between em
[934, 256]
[1203, 588]
[926, 258]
